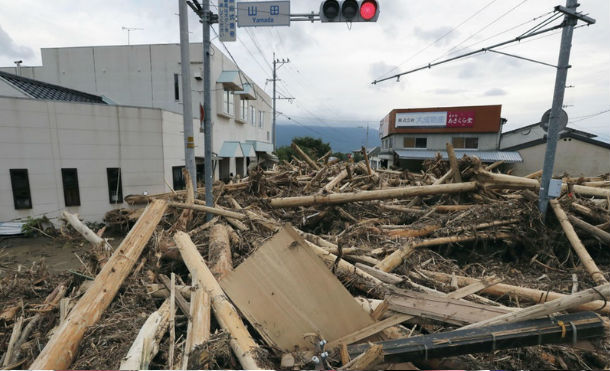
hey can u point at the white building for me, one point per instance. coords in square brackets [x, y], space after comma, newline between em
[578, 152]
[104, 122]
[150, 76]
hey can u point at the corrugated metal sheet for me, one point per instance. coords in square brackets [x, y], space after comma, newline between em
[485, 156]
[230, 150]
[247, 93]
[261, 146]
[10, 228]
[41, 90]
[230, 80]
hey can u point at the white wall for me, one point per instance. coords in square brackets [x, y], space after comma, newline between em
[521, 136]
[6, 90]
[437, 142]
[573, 157]
[46, 136]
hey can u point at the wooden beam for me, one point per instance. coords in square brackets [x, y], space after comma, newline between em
[340, 198]
[577, 245]
[207, 209]
[59, 352]
[244, 347]
[366, 360]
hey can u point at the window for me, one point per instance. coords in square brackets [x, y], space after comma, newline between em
[115, 185]
[178, 177]
[176, 87]
[252, 116]
[21, 189]
[244, 110]
[261, 119]
[415, 142]
[465, 143]
[69, 178]
[227, 104]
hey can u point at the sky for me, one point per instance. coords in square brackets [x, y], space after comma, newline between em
[332, 65]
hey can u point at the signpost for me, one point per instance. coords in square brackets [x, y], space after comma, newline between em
[227, 20]
[263, 14]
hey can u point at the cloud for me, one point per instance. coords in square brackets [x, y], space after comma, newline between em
[381, 69]
[8, 47]
[469, 71]
[495, 92]
[448, 91]
[436, 33]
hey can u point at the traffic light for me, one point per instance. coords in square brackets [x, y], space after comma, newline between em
[349, 11]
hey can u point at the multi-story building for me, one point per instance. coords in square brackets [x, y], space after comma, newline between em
[95, 123]
[410, 136]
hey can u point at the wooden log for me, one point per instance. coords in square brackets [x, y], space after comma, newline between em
[242, 343]
[601, 234]
[392, 261]
[506, 181]
[553, 306]
[534, 175]
[334, 182]
[588, 191]
[180, 300]
[219, 252]
[319, 176]
[63, 345]
[204, 226]
[453, 162]
[419, 232]
[366, 360]
[366, 161]
[577, 245]
[10, 348]
[304, 156]
[172, 322]
[494, 165]
[151, 332]
[390, 278]
[187, 214]
[585, 211]
[87, 233]
[339, 198]
[198, 328]
[524, 293]
[207, 209]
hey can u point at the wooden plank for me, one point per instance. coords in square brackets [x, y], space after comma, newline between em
[369, 330]
[366, 360]
[286, 291]
[444, 309]
[63, 345]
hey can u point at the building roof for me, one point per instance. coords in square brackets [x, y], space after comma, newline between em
[42, 90]
[485, 156]
[566, 134]
[582, 133]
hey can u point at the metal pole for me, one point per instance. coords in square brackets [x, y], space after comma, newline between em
[207, 106]
[274, 100]
[560, 86]
[187, 98]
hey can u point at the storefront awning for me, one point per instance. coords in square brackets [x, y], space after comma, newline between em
[484, 156]
[248, 149]
[261, 146]
[230, 150]
[230, 80]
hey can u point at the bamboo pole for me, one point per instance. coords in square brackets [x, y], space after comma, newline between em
[304, 156]
[525, 293]
[63, 345]
[541, 310]
[601, 234]
[339, 198]
[241, 342]
[453, 162]
[577, 245]
[151, 332]
[207, 209]
[392, 261]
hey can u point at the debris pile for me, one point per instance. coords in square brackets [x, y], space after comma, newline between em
[318, 265]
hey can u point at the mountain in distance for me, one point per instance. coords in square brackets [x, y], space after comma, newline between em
[341, 138]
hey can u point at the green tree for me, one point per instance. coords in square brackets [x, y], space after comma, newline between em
[315, 148]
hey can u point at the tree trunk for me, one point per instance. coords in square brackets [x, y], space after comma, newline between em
[242, 343]
[579, 248]
[220, 252]
[602, 235]
[340, 198]
[152, 332]
[63, 345]
[87, 233]
[453, 162]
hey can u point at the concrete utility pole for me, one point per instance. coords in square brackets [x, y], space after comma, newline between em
[563, 65]
[276, 66]
[207, 105]
[187, 94]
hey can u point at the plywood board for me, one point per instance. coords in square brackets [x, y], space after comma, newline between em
[285, 291]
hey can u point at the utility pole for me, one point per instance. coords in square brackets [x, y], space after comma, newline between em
[187, 94]
[570, 20]
[276, 66]
[207, 105]
[129, 29]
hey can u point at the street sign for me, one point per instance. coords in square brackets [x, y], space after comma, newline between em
[263, 13]
[563, 120]
[227, 20]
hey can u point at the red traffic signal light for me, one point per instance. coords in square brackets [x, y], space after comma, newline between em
[368, 9]
[349, 11]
